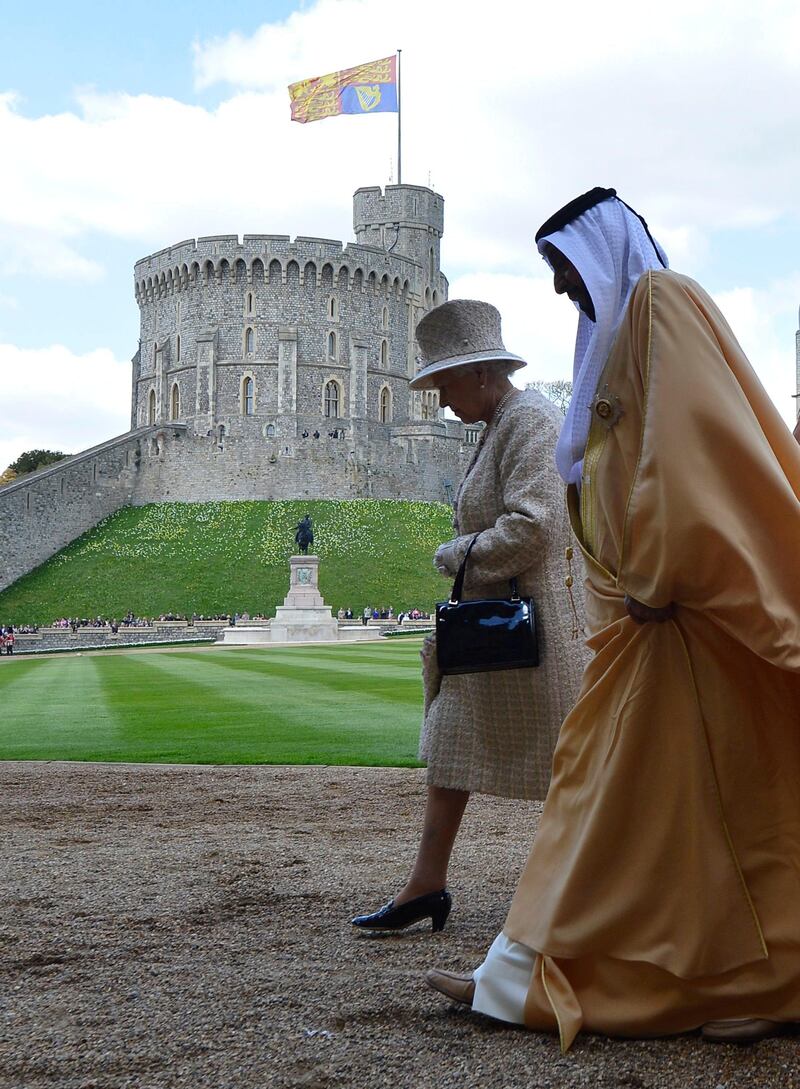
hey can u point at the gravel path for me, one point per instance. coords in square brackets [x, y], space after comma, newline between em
[188, 927]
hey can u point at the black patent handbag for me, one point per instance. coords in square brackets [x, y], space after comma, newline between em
[485, 634]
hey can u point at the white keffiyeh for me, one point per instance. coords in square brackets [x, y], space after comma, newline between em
[611, 250]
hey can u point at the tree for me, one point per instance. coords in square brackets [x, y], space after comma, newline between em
[32, 460]
[7, 476]
[559, 392]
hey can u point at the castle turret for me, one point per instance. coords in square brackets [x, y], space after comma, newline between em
[407, 220]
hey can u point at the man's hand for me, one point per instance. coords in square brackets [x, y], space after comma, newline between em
[643, 614]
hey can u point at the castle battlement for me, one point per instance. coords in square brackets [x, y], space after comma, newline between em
[195, 262]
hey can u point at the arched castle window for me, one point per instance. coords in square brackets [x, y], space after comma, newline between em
[224, 270]
[177, 313]
[274, 272]
[384, 354]
[385, 405]
[155, 352]
[332, 400]
[333, 308]
[178, 348]
[209, 271]
[258, 271]
[249, 341]
[175, 402]
[249, 302]
[248, 396]
[332, 345]
[432, 264]
[270, 431]
[310, 276]
[240, 271]
[385, 318]
[430, 404]
[151, 407]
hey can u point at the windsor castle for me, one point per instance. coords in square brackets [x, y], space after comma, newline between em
[267, 368]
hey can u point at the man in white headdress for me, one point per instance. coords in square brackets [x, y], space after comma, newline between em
[662, 893]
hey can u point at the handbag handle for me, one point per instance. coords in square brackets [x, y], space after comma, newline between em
[458, 584]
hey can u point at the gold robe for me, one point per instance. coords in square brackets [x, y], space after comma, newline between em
[663, 888]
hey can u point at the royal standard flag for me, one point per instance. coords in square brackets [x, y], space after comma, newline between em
[368, 88]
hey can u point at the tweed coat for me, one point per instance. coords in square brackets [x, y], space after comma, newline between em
[495, 732]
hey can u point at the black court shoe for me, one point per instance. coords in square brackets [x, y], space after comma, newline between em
[433, 905]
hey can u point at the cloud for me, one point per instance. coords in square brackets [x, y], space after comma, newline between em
[511, 114]
[755, 317]
[39, 253]
[536, 323]
[80, 400]
[514, 111]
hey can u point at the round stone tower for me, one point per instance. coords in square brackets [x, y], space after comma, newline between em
[286, 339]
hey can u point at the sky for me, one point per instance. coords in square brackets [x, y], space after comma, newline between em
[125, 128]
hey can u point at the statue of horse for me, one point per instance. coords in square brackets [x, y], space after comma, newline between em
[304, 535]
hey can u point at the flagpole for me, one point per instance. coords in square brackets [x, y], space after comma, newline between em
[399, 127]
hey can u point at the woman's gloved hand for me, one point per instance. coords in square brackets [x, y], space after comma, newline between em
[445, 560]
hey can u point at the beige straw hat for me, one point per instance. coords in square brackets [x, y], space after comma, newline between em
[457, 333]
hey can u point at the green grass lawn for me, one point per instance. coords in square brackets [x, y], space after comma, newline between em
[210, 558]
[358, 704]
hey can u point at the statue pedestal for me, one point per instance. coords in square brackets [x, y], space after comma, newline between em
[304, 617]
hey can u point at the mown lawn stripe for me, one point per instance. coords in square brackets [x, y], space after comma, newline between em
[212, 707]
[54, 710]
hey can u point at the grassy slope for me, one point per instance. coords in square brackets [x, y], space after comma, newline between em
[231, 557]
[358, 704]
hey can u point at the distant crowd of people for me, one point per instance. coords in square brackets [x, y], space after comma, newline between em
[131, 620]
[386, 613]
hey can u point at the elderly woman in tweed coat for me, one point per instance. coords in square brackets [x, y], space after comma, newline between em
[492, 732]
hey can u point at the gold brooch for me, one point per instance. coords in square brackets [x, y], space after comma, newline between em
[607, 408]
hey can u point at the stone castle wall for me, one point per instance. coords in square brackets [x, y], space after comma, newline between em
[41, 513]
[425, 462]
